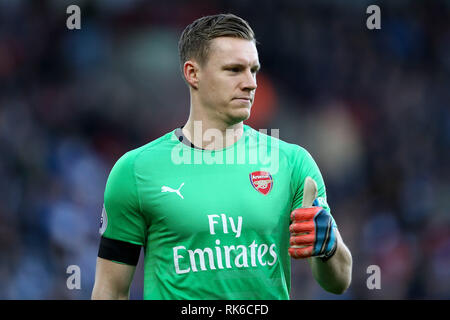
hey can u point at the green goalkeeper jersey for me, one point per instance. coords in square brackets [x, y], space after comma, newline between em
[213, 224]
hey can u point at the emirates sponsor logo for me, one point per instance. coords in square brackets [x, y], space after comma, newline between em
[239, 255]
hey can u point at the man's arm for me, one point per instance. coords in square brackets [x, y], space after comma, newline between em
[315, 236]
[123, 229]
[112, 280]
[335, 274]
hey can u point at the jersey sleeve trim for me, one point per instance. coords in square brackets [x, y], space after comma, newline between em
[120, 251]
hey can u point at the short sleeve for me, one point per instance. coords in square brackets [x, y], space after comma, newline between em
[122, 214]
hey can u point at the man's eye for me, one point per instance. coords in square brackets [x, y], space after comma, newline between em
[233, 69]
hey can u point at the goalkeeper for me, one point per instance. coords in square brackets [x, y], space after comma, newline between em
[218, 207]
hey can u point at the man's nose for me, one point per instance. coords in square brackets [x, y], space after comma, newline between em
[249, 83]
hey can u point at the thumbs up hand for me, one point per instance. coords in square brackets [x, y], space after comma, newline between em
[313, 230]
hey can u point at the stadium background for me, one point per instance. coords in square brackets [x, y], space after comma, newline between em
[371, 106]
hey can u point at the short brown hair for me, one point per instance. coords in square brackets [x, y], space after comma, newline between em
[194, 41]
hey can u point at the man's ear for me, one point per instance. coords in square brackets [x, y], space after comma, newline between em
[191, 73]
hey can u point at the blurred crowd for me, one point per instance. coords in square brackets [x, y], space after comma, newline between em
[372, 107]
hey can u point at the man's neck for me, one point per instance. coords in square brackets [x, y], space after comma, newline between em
[211, 135]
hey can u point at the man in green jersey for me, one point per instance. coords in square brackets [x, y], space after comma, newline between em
[214, 202]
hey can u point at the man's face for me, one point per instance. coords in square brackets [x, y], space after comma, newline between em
[227, 80]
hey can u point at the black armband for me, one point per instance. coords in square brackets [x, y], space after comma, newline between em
[120, 251]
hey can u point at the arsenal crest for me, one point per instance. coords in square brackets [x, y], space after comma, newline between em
[262, 181]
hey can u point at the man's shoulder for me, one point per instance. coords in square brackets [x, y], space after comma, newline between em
[165, 142]
[271, 139]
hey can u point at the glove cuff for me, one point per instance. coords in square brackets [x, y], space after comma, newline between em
[326, 257]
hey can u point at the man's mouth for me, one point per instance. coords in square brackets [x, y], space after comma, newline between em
[243, 99]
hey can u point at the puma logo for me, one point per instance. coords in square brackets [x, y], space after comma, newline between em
[169, 189]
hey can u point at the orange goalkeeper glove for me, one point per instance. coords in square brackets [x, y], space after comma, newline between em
[313, 228]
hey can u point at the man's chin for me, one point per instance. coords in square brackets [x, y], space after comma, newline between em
[239, 115]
